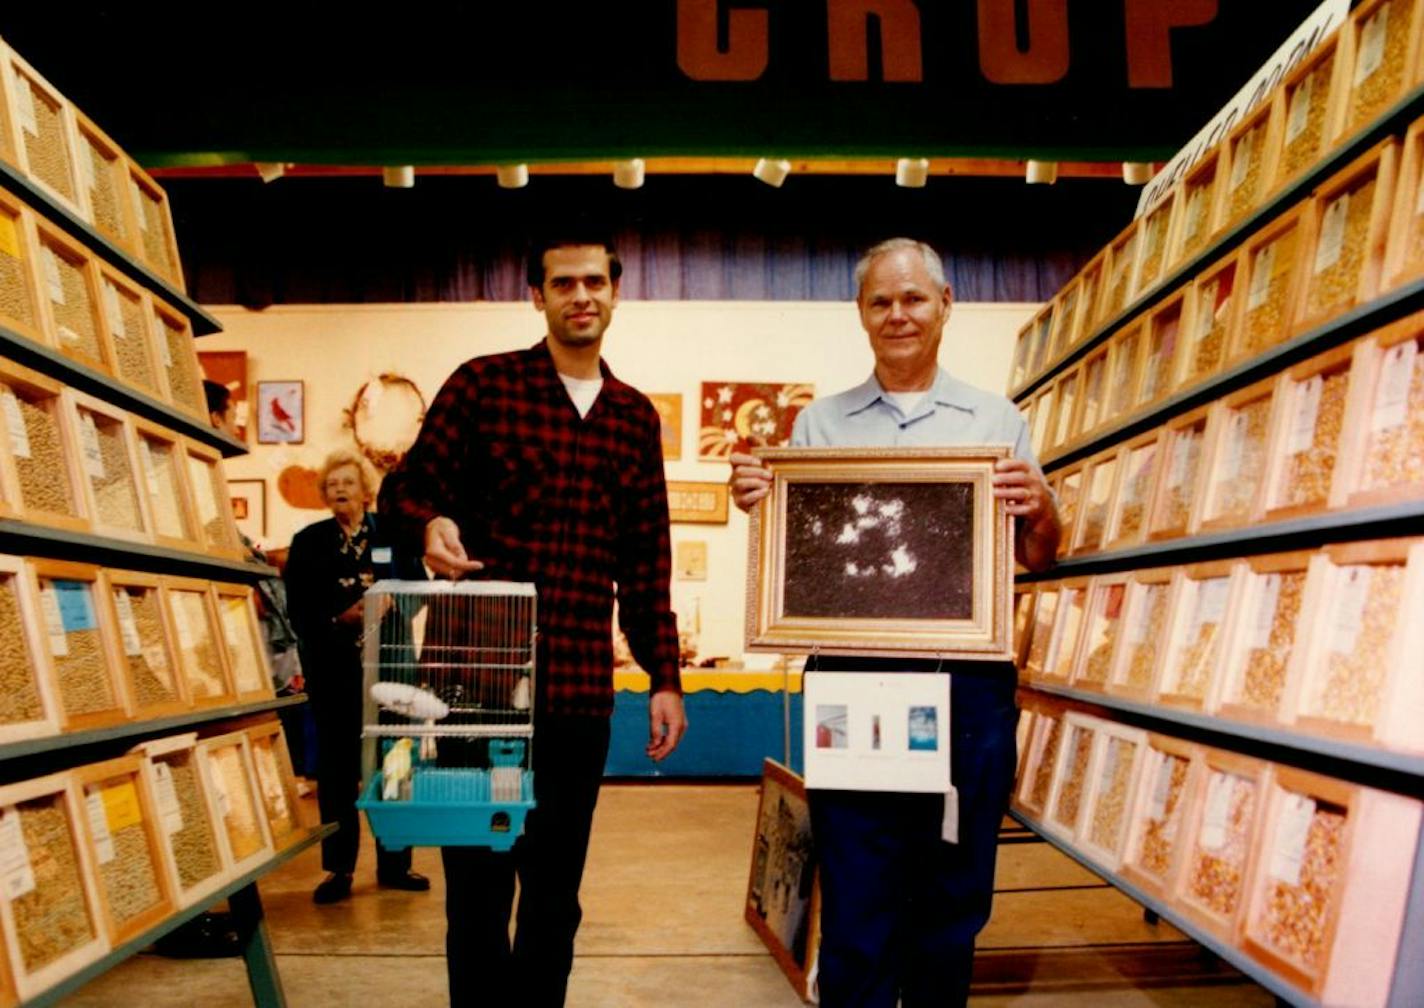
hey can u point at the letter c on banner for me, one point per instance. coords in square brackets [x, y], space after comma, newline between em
[1046, 58]
[748, 44]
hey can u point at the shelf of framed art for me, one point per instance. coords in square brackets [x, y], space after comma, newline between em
[103, 858]
[77, 176]
[1266, 166]
[1296, 878]
[1315, 641]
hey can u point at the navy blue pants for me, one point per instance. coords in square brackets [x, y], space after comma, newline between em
[569, 753]
[900, 908]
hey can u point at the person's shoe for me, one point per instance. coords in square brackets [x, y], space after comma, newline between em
[408, 881]
[332, 889]
[207, 936]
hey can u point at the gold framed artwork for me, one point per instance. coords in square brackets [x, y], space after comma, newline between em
[736, 416]
[669, 407]
[882, 551]
[783, 895]
[690, 560]
[697, 502]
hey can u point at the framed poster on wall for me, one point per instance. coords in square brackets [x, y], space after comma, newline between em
[281, 412]
[249, 506]
[229, 369]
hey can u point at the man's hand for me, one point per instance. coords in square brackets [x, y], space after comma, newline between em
[667, 723]
[1027, 497]
[356, 612]
[750, 480]
[444, 553]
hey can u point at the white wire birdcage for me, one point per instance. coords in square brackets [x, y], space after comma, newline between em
[449, 719]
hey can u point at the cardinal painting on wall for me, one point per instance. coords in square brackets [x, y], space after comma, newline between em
[281, 415]
[738, 416]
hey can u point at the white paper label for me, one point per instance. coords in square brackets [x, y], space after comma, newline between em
[113, 311]
[1332, 234]
[184, 628]
[66, 334]
[220, 795]
[1195, 202]
[150, 474]
[15, 424]
[128, 626]
[25, 107]
[1307, 412]
[155, 657]
[165, 352]
[89, 444]
[99, 827]
[1218, 807]
[1211, 600]
[1039, 744]
[1206, 308]
[54, 622]
[1352, 595]
[165, 796]
[270, 779]
[1161, 786]
[232, 629]
[138, 199]
[54, 283]
[1265, 620]
[86, 167]
[1372, 39]
[1241, 159]
[1235, 447]
[1392, 387]
[1292, 831]
[1181, 452]
[1262, 265]
[16, 876]
[1109, 771]
[1299, 108]
[1141, 616]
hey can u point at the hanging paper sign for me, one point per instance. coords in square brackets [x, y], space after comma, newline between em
[1392, 388]
[15, 424]
[17, 877]
[1332, 234]
[128, 625]
[1307, 412]
[1292, 832]
[99, 827]
[1266, 611]
[1263, 264]
[165, 795]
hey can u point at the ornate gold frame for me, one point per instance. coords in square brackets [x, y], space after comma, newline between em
[986, 635]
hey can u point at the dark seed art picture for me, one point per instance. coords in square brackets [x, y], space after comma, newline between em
[880, 550]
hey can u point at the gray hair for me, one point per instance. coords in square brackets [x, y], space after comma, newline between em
[931, 258]
[345, 457]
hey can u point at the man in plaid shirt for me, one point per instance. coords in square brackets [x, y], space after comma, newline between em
[540, 465]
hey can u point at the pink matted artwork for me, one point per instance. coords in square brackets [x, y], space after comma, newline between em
[739, 415]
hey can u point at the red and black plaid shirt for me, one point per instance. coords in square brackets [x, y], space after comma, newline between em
[575, 505]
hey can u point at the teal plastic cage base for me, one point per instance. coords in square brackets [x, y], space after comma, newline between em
[447, 808]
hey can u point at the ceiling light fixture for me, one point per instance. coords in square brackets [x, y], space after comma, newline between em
[398, 176]
[912, 173]
[628, 174]
[512, 176]
[270, 171]
[773, 173]
[1041, 172]
[1137, 172]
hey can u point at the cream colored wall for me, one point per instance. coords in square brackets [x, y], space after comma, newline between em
[655, 346]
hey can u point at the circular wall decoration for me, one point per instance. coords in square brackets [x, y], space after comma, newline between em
[384, 419]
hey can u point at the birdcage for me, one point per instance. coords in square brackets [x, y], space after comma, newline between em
[449, 719]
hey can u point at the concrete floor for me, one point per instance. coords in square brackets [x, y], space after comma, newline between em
[663, 899]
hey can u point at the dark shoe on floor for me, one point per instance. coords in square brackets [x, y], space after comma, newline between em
[206, 936]
[410, 882]
[332, 889]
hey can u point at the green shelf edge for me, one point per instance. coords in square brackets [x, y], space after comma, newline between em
[49, 361]
[22, 538]
[59, 214]
[137, 944]
[1393, 119]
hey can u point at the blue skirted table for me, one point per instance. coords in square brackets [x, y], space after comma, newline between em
[736, 719]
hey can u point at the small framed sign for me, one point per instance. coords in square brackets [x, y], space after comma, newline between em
[697, 502]
[877, 731]
[281, 412]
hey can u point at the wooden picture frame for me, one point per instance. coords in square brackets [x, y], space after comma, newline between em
[1207, 597]
[1312, 96]
[1119, 271]
[229, 369]
[1232, 486]
[122, 828]
[1312, 413]
[1269, 275]
[44, 130]
[1102, 626]
[669, 407]
[212, 501]
[1112, 783]
[180, 791]
[287, 817]
[1404, 248]
[1199, 207]
[1155, 238]
[1253, 147]
[127, 320]
[20, 277]
[82, 644]
[810, 579]
[1147, 613]
[69, 872]
[1068, 620]
[1166, 787]
[1257, 662]
[1035, 780]
[281, 412]
[197, 637]
[1066, 803]
[248, 666]
[1381, 449]
[112, 480]
[163, 465]
[783, 895]
[148, 652]
[249, 506]
[697, 502]
[1214, 298]
[178, 359]
[25, 673]
[234, 801]
[1382, 55]
[39, 478]
[69, 297]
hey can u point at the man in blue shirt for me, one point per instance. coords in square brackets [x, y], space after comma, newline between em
[901, 906]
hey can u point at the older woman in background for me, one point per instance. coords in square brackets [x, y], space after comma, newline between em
[329, 568]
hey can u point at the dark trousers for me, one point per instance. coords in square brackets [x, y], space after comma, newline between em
[336, 709]
[900, 908]
[569, 754]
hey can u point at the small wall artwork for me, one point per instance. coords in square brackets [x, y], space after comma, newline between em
[281, 412]
[229, 369]
[249, 506]
[739, 415]
[690, 560]
[669, 407]
[697, 502]
[873, 731]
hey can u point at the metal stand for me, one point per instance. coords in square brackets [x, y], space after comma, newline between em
[262, 975]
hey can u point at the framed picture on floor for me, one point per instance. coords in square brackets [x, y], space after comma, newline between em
[882, 551]
[783, 898]
[281, 412]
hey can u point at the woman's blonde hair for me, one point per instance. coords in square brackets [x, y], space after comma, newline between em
[346, 457]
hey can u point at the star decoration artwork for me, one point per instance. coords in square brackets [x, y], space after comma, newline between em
[737, 416]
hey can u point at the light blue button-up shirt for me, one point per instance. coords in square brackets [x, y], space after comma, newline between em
[952, 412]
